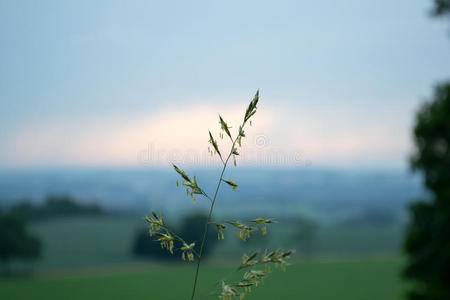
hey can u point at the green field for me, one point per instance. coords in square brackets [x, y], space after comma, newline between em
[105, 240]
[90, 258]
[349, 279]
[86, 241]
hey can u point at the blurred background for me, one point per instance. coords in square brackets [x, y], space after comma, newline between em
[98, 97]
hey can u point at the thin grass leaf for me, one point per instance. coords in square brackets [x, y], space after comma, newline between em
[214, 144]
[224, 127]
[232, 184]
[251, 110]
[182, 173]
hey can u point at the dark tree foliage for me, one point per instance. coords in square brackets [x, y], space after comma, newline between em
[15, 240]
[432, 137]
[190, 229]
[441, 7]
[305, 235]
[428, 236]
[146, 247]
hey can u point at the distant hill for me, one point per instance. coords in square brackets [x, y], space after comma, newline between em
[326, 195]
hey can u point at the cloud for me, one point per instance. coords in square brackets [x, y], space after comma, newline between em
[118, 141]
[279, 137]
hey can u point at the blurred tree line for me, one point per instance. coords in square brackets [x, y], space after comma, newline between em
[55, 206]
[428, 237]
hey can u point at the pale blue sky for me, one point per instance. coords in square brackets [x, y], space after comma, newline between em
[352, 71]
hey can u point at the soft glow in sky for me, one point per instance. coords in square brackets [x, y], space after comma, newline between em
[98, 83]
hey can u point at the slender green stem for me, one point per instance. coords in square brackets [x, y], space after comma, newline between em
[207, 196]
[205, 232]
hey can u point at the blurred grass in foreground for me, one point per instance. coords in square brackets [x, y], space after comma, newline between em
[347, 279]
